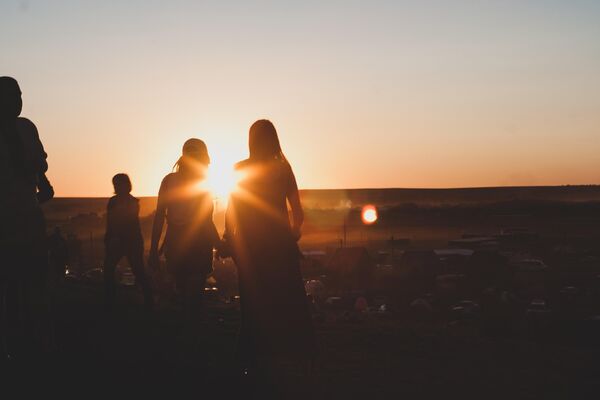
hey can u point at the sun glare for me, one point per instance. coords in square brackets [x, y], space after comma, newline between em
[222, 180]
[369, 214]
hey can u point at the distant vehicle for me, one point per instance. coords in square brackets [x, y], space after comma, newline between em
[475, 243]
[530, 265]
[465, 309]
[517, 231]
[127, 278]
[314, 288]
[421, 305]
[94, 275]
[335, 302]
[212, 293]
[569, 291]
[71, 276]
[538, 307]
[517, 235]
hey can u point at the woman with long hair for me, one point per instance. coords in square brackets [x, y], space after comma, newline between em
[191, 233]
[275, 313]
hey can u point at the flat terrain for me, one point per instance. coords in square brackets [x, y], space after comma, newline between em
[368, 357]
[371, 355]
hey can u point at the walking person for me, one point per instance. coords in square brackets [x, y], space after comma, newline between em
[191, 234]
[275, 319]
[123, 238]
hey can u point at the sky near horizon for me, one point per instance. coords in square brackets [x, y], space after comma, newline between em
[363, 93]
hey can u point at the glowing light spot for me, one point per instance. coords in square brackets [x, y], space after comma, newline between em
[222, 180]
[369, 214]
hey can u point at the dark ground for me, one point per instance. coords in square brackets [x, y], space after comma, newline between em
[133, 351]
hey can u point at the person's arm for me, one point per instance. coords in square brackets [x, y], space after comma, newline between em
[45, 189]
[293, 197]
[214, 234]
[159, 220]
[39, 163]
[109, 222]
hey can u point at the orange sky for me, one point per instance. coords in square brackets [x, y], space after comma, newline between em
[364, 94]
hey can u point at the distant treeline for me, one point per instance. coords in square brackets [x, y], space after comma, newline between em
[496, 197]
[348, 198]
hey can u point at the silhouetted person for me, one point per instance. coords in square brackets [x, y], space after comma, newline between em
[123, 238]
[24, 264]
[58, 254]
[275, 317]
[191, 234]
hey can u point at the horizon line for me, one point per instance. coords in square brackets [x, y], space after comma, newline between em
[391, 188]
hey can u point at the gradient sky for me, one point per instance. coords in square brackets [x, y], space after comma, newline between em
[363, 93]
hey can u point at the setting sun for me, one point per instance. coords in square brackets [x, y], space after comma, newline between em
[222, 179]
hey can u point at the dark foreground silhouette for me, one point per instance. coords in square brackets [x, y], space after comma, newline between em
[132, 350]
[24, 316]
[123, 238]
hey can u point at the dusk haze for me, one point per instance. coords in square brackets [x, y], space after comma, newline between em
[369, 94]
[300, 200]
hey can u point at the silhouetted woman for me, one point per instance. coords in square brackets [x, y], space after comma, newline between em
[123, 238]
[23, 256]
[275, 313]
[191, 234]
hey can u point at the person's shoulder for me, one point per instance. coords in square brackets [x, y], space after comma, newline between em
[170, 177]
[25, 123]
[242, 164]
[281, 167]
[27, 128]
[133, 199]
[111, 201]
[285, 165]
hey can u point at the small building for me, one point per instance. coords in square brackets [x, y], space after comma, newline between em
[475, 243]
[351, 268]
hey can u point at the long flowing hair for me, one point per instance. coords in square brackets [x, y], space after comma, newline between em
[193, 159]
[263, 142]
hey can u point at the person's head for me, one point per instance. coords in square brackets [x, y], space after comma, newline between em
[11, 103]
[194, 158]
[122, 184]
[263, 141]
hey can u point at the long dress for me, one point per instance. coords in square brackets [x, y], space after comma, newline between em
[275, 316]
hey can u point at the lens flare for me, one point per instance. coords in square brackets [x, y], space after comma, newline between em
[222, 180]
[369, 214]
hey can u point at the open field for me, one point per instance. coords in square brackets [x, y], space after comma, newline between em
[373, 357]
[428, 217]
[430, 348]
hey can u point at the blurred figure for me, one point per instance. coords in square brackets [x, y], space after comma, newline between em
[74, 246]
[24, 264]
[58, 254]
[123, 238]
[191, 234]
[275, 311]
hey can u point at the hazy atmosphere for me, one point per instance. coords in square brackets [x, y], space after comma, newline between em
[363, 93]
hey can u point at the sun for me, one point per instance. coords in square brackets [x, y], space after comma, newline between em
[221, 179]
